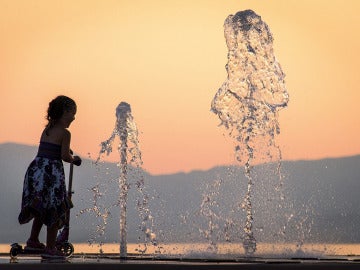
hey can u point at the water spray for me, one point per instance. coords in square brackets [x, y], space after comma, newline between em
[248, 102]
[130, 155]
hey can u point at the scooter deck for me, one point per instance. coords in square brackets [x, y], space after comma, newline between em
[17, 251]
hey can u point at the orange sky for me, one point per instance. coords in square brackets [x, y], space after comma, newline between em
[167, 58]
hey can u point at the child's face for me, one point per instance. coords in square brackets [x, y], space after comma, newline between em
[69, 116]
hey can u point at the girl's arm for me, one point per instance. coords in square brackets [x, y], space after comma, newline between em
[65, 147]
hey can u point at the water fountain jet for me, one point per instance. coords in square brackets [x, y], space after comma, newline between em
[248, 102]
[130, 154]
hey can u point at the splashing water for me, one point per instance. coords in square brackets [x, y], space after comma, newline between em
[208, 212]
[248, 102]
[130, 156]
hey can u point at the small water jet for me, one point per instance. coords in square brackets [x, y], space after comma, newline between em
[130, 155]
[248, 102]
[207, 206]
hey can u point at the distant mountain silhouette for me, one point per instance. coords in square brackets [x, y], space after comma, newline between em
[318, 202]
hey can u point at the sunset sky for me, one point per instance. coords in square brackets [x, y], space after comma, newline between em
[167, 60]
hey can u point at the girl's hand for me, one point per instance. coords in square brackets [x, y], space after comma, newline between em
[77, 161]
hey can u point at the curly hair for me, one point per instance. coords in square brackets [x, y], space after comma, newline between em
[56, 109]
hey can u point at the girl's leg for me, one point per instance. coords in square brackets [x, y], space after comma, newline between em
[51, 251]
[35, 230]
[51, 236]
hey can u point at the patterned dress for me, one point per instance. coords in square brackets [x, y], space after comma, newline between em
[44, 192]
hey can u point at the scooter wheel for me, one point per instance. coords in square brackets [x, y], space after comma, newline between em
[14, 251]
[67, 248]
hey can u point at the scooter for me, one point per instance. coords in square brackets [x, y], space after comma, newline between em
[62, 240]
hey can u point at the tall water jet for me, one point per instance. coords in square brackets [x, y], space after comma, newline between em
[248, 102]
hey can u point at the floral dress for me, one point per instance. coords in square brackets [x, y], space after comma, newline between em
[44, 191]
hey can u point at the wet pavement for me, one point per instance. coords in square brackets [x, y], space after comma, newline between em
[109, 262]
